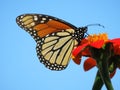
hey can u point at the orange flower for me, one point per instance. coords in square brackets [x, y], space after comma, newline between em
[98, 42]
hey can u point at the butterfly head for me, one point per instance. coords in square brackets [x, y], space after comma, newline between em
[83, 29]
[81, 32]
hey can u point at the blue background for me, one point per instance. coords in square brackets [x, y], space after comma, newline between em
[19, 66]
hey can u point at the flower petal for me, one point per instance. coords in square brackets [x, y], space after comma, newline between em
[77, 59]
[115, 41]
[86, 52]
[97, 44]
[89, 63]
[116, 49]
[77, 50]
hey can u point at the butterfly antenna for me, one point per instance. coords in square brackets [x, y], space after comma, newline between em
[95, 25]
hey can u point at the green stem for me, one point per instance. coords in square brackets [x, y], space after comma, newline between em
[103, 70]
[102, 57]
[98, 83]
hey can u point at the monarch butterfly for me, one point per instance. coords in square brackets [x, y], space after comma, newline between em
[55, 38]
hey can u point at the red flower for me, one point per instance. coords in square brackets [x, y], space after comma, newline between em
[98, 42]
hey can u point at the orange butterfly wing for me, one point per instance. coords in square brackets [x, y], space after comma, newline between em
[54, 38]
[50, 27]
[42, 24]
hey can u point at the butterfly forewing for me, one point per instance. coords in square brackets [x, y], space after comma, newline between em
[43, 24]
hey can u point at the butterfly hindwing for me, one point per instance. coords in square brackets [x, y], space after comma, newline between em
[54, 50]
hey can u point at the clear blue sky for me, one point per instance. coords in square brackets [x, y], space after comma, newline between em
[19, 66]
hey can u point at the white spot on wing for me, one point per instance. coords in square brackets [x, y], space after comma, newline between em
[35, 18]
[50, 19]
[43, 18]
[21, 16]
[41, 21]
